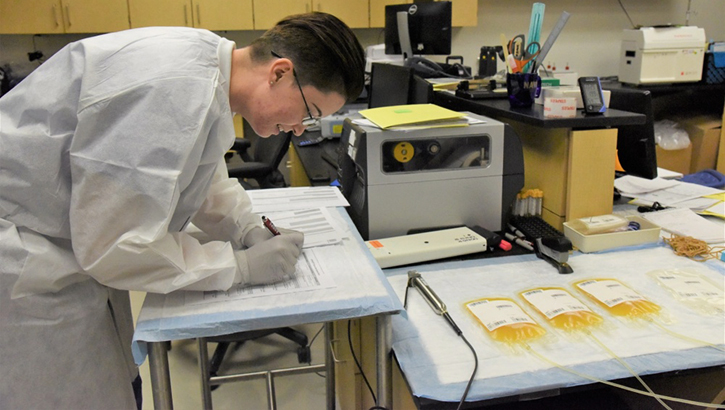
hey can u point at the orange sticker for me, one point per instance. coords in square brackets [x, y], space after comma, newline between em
[376, 244]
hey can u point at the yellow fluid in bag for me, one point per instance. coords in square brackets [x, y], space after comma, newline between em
[561, 309]
[504, 320]
[616, 298]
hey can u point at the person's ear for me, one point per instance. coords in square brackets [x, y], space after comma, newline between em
[280, 67]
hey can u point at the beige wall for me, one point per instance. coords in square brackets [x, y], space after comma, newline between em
[589, 43]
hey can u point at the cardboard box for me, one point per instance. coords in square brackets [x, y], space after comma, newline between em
[704, 132]
[677, 160]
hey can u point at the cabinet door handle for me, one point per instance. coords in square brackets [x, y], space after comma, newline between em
[67, 15]
[55, 16]
[186, 15]
[198, 14]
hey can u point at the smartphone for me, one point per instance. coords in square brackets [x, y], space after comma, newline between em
[592, 96]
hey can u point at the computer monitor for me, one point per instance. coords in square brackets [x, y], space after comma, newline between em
[389, 85]
[636, 143]
[397, 85]
[429, 28]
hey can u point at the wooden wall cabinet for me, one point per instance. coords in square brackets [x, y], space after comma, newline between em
[63, 16]
[377, 10]
[465, 13]
[146, 13]
[267, 12]
[208, 14]
[355, 13]
[99, 16]
[223, 14]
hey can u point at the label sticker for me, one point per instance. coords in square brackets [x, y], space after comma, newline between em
[376, 244]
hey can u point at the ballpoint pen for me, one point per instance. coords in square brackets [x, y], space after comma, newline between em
[521, 242]
[270, 226]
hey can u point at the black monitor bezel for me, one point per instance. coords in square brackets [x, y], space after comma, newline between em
[435, 16]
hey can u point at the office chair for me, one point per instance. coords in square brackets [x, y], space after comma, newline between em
[261, 165]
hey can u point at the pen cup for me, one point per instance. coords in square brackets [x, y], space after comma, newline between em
[523, 88]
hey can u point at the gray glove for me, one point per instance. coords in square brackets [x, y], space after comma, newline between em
[259, 234]
[256, 235]
[270, 261]
[285, 231]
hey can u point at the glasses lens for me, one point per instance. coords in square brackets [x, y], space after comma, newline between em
[310, 121]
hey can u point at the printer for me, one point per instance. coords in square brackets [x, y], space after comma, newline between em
[652, 55]
[400, 182]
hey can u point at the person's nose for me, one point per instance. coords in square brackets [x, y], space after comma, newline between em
[298, 129]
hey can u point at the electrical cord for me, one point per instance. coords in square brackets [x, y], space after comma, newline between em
[627, 14]
[415, 280]
[375, 400]
[467, 74]
[359, 367]
[316, 334]
[473, 374]
[309, 346]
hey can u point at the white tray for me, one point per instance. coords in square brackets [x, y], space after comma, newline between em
[648, 232]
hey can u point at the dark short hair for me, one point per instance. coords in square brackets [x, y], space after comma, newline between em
[324, 50]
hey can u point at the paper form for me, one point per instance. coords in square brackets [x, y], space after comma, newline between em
[288, 199]
[632, 185]
[667, 192]
[697, 204]
[685, 222]
[683, 191]
[309, 275]
[716, 210]
[317, 225]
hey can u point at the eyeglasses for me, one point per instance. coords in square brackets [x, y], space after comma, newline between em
[310, 120]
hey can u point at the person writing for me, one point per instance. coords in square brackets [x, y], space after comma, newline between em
[109, 151]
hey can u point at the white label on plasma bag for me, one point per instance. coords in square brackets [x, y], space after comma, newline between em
[496, 313]
[553, 302]
[610, 292]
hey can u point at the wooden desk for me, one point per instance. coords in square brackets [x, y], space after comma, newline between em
[571, 159]
[313, 165]
[673, 101]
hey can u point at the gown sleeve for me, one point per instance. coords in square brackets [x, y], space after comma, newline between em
[137, 159]
[226, 214]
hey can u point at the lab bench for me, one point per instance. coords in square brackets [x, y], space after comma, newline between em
[313, 164]
[434, 365]
[571, 159]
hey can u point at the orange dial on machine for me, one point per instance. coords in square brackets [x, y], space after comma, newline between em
[403, 152]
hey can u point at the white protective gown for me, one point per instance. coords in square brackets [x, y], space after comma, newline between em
[107, 152]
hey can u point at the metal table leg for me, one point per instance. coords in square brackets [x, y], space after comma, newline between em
[204, 371]
[160, 378]
[384, 367]
[329, 366]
